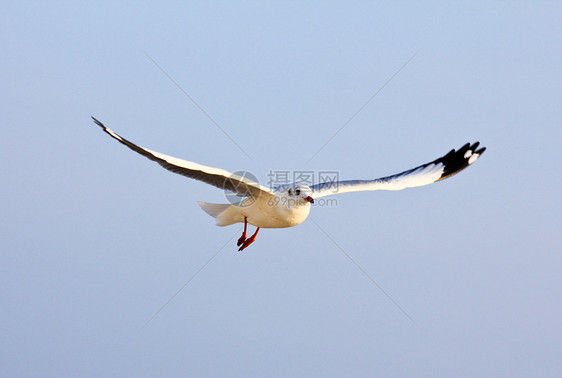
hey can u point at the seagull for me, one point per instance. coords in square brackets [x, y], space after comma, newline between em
[289, 205]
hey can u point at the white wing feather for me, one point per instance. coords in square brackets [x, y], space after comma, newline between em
[439, 169]
[217, 177]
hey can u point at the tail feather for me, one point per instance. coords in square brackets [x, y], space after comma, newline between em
[225, 214]
[213, 209]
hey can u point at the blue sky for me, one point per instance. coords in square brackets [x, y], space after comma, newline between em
[95, 239]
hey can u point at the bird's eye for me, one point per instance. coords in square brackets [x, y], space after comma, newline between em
[298, 191]
[290, 192]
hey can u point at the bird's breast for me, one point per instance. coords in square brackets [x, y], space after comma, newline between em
[274, 213]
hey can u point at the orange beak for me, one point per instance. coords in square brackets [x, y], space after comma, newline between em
[309, 199]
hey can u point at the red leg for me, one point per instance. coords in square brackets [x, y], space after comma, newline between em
[243, 237]
[250, 240]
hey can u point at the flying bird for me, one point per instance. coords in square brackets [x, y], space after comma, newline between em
[289, 205]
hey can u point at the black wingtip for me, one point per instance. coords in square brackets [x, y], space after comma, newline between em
[98, 122]
[456, 161]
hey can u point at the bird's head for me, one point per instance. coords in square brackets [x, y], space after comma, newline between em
[300, 193]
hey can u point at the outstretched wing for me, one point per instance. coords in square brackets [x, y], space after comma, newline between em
[446, 166]
[220, 178]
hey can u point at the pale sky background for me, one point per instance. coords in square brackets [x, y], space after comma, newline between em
[95, 238]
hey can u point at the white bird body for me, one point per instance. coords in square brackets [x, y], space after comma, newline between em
[263, 212]
[289, 205]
